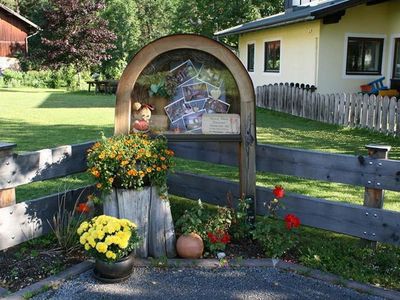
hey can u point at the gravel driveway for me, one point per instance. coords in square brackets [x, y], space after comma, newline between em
[196, 283]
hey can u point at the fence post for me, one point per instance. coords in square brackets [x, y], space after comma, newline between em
[374, 197]
[7, 196]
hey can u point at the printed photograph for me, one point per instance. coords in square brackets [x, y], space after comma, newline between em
[197, 105]
[184, 72]
[177, 109]
[178, 126]
[216, 106]
[211, 76]
[195, 91]
[193, 121]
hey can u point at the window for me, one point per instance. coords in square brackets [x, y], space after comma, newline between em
[272, 56]
[396, 63]
[364, 56]
[250, 57]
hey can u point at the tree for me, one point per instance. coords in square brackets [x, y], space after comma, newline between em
[208, 16]
[123, 21]
[75, 34]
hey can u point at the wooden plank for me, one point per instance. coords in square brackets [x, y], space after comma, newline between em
[364, 111]
[27, 220]
[385, 112]
[329, 167]
[371, 111]
[357, 115]
[352, 108]
[392, 114]
[42, 165]
[347, 106]
[355, 220]
[220, 153]
[398, 119]
[378, 113]
[336, 109]
[342, 101]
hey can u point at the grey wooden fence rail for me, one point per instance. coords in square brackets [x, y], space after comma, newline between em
[29, 219]
[377, 113]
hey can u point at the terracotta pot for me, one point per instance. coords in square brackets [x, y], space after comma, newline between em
[113, 271]
[190, 246]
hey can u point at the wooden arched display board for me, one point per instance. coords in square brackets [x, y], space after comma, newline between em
[242, 102]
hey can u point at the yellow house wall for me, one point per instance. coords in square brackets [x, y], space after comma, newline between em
[299, 53]
[382, 20]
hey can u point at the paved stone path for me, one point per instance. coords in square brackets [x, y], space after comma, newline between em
[210, 284]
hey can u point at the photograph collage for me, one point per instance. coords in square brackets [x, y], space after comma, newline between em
[199, 91]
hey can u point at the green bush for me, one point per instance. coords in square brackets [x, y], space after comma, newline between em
[65, 77]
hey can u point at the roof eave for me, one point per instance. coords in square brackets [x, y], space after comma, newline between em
[233, 32]
[14, 13]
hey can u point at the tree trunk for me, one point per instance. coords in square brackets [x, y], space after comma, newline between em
[150, 213]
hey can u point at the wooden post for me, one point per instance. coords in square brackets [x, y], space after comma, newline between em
[7, 196]
[374, 197]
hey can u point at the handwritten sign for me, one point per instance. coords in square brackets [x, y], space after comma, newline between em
[221, 124]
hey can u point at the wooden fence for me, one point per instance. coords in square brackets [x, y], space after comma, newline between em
[27, 220]
[377, 113]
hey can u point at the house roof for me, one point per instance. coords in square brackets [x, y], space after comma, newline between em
[311, 11]
[9, 11]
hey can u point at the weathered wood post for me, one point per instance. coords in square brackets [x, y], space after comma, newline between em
[7, 196]
[374, 197]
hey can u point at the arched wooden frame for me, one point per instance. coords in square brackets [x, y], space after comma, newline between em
[245, 86]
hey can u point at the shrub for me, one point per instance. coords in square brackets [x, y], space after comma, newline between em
[12, 78]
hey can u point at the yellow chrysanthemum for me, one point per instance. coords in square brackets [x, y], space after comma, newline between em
[101, 247]
[110, 255]
[87, 247]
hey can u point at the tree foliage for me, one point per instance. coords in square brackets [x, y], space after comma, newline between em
[75, 34]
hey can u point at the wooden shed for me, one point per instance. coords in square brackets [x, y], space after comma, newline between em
[14, 32]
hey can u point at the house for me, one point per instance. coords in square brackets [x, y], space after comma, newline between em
[15, 30]
[336, 45]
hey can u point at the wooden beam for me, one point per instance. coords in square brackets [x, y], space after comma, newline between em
[355, 220]
[27, 220]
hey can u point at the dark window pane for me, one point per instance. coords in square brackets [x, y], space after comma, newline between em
[272, 56]
[250, 57]
[396, 67]
[364, 56]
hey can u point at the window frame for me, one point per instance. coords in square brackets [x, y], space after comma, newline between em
[273, 71]
[250, 70]
[396, 52]
[364, 38]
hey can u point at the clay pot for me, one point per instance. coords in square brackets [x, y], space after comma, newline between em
[190, 246]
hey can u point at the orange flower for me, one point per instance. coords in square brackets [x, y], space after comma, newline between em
[164, 167]
[112, 155]
[154, 166]
[82, 208]
[119, 157]
[124, 163]
[132, 172]
[141, 173]
[148, 170]
[158, 169]
[99, 185]
[110, 180]
[95, 173]
[162, 158]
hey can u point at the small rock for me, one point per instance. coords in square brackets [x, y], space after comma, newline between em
[221, 255]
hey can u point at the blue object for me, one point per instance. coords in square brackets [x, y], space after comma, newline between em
[377, 85]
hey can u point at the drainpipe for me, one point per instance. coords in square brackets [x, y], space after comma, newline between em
[29, 36]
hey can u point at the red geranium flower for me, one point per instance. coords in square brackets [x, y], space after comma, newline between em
[82, 208]
[278, 191]
[213, 239]
[226, 238]
[292, 221]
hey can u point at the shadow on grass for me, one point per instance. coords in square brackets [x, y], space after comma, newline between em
[30, 137]
[79, 99]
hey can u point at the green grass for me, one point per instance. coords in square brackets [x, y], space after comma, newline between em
[36, 119]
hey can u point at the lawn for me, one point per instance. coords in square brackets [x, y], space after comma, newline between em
[36, 119]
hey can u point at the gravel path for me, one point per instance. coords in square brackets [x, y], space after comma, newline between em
[222, 283]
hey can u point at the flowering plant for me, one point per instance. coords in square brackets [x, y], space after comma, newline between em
[276, 239]
[108, 238]
[130, 162]
[218, 240]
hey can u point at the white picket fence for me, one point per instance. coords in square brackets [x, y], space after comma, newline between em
[377, 113]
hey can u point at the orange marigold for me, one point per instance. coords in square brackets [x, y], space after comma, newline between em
[158, 169]
[110, 180]
[149, 170]
[132, 172]
[164, 167]
[99, 185]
